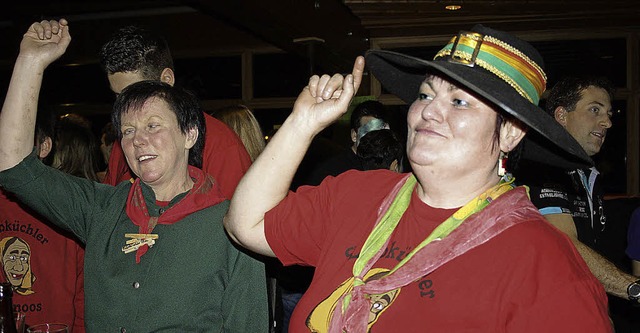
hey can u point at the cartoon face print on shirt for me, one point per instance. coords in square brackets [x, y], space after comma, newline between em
[16, 264]
[379, 303]
[320, 318]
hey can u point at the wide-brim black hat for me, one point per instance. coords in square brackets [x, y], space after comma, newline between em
[504, 70]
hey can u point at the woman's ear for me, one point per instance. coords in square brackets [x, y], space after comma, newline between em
[168, 77]
[395, 166]
[44, 148]
[192, 137]
[354, 136]
[511, 132]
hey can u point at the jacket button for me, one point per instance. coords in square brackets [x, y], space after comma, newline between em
[136, 285]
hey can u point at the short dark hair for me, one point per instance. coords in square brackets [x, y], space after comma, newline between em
[183, 103]
[568, 91]
[379, 148]
[133, 49]
[367, 108]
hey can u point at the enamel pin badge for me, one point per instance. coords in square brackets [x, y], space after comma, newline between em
[138, 240]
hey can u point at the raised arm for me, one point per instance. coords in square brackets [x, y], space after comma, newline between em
[42, 44]
[267, 181]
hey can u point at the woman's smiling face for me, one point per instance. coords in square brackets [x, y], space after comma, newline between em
[156, 149]
[450, 128]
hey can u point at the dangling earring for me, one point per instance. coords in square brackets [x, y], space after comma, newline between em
[502, 163]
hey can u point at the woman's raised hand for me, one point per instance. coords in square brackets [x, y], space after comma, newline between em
[45, 41]
[326, 98]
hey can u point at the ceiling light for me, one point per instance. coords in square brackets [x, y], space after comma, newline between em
[453, 4]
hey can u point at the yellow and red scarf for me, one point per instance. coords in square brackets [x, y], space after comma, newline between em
[449, 240]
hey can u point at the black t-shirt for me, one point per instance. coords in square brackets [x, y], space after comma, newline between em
[555, 191]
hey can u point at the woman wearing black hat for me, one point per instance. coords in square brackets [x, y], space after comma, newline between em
[452, 246]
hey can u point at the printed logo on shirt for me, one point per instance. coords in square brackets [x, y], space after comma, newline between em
[426, 287]
[398, 253]
[320, 318]
[391, 252]
[550, 193]
[16, 264]
[32, 307]
[27, 229]
[578, 202]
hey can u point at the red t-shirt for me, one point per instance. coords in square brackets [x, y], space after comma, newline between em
[529, 278]
[44, 266]
[224, 158]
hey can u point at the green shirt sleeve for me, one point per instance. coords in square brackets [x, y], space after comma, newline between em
[67, 201]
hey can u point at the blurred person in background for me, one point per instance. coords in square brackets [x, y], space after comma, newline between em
[242, 121]
[43, 263]
[381, 149]
[366, 116]
[108, 137]
[76, 150]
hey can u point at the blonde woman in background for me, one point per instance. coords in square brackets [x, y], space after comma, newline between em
[76, 148]
[244, 123]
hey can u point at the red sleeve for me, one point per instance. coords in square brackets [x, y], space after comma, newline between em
[118, 169]
[294, 228]
[224, 157]
[78, 323]
[300, 226]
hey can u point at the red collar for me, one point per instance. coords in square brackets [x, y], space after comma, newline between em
[204, 193]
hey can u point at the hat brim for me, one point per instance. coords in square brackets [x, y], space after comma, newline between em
[551, 144]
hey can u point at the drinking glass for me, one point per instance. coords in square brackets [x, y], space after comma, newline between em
[48, 328]
[19, 317]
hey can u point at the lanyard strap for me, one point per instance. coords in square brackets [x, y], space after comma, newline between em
[588, 185]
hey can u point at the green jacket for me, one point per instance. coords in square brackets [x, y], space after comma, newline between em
[192, 280]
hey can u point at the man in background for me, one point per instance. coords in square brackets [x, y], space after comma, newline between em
[367, 116]
[381, 149]
[573, 201]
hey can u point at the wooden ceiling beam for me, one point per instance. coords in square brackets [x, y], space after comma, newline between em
[339, 37]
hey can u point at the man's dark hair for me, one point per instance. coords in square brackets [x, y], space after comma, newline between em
[183, 103]
[568, 91]
[46, 128]
[367, 108]
[133, 49]
[45, 125]
[378, 149]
